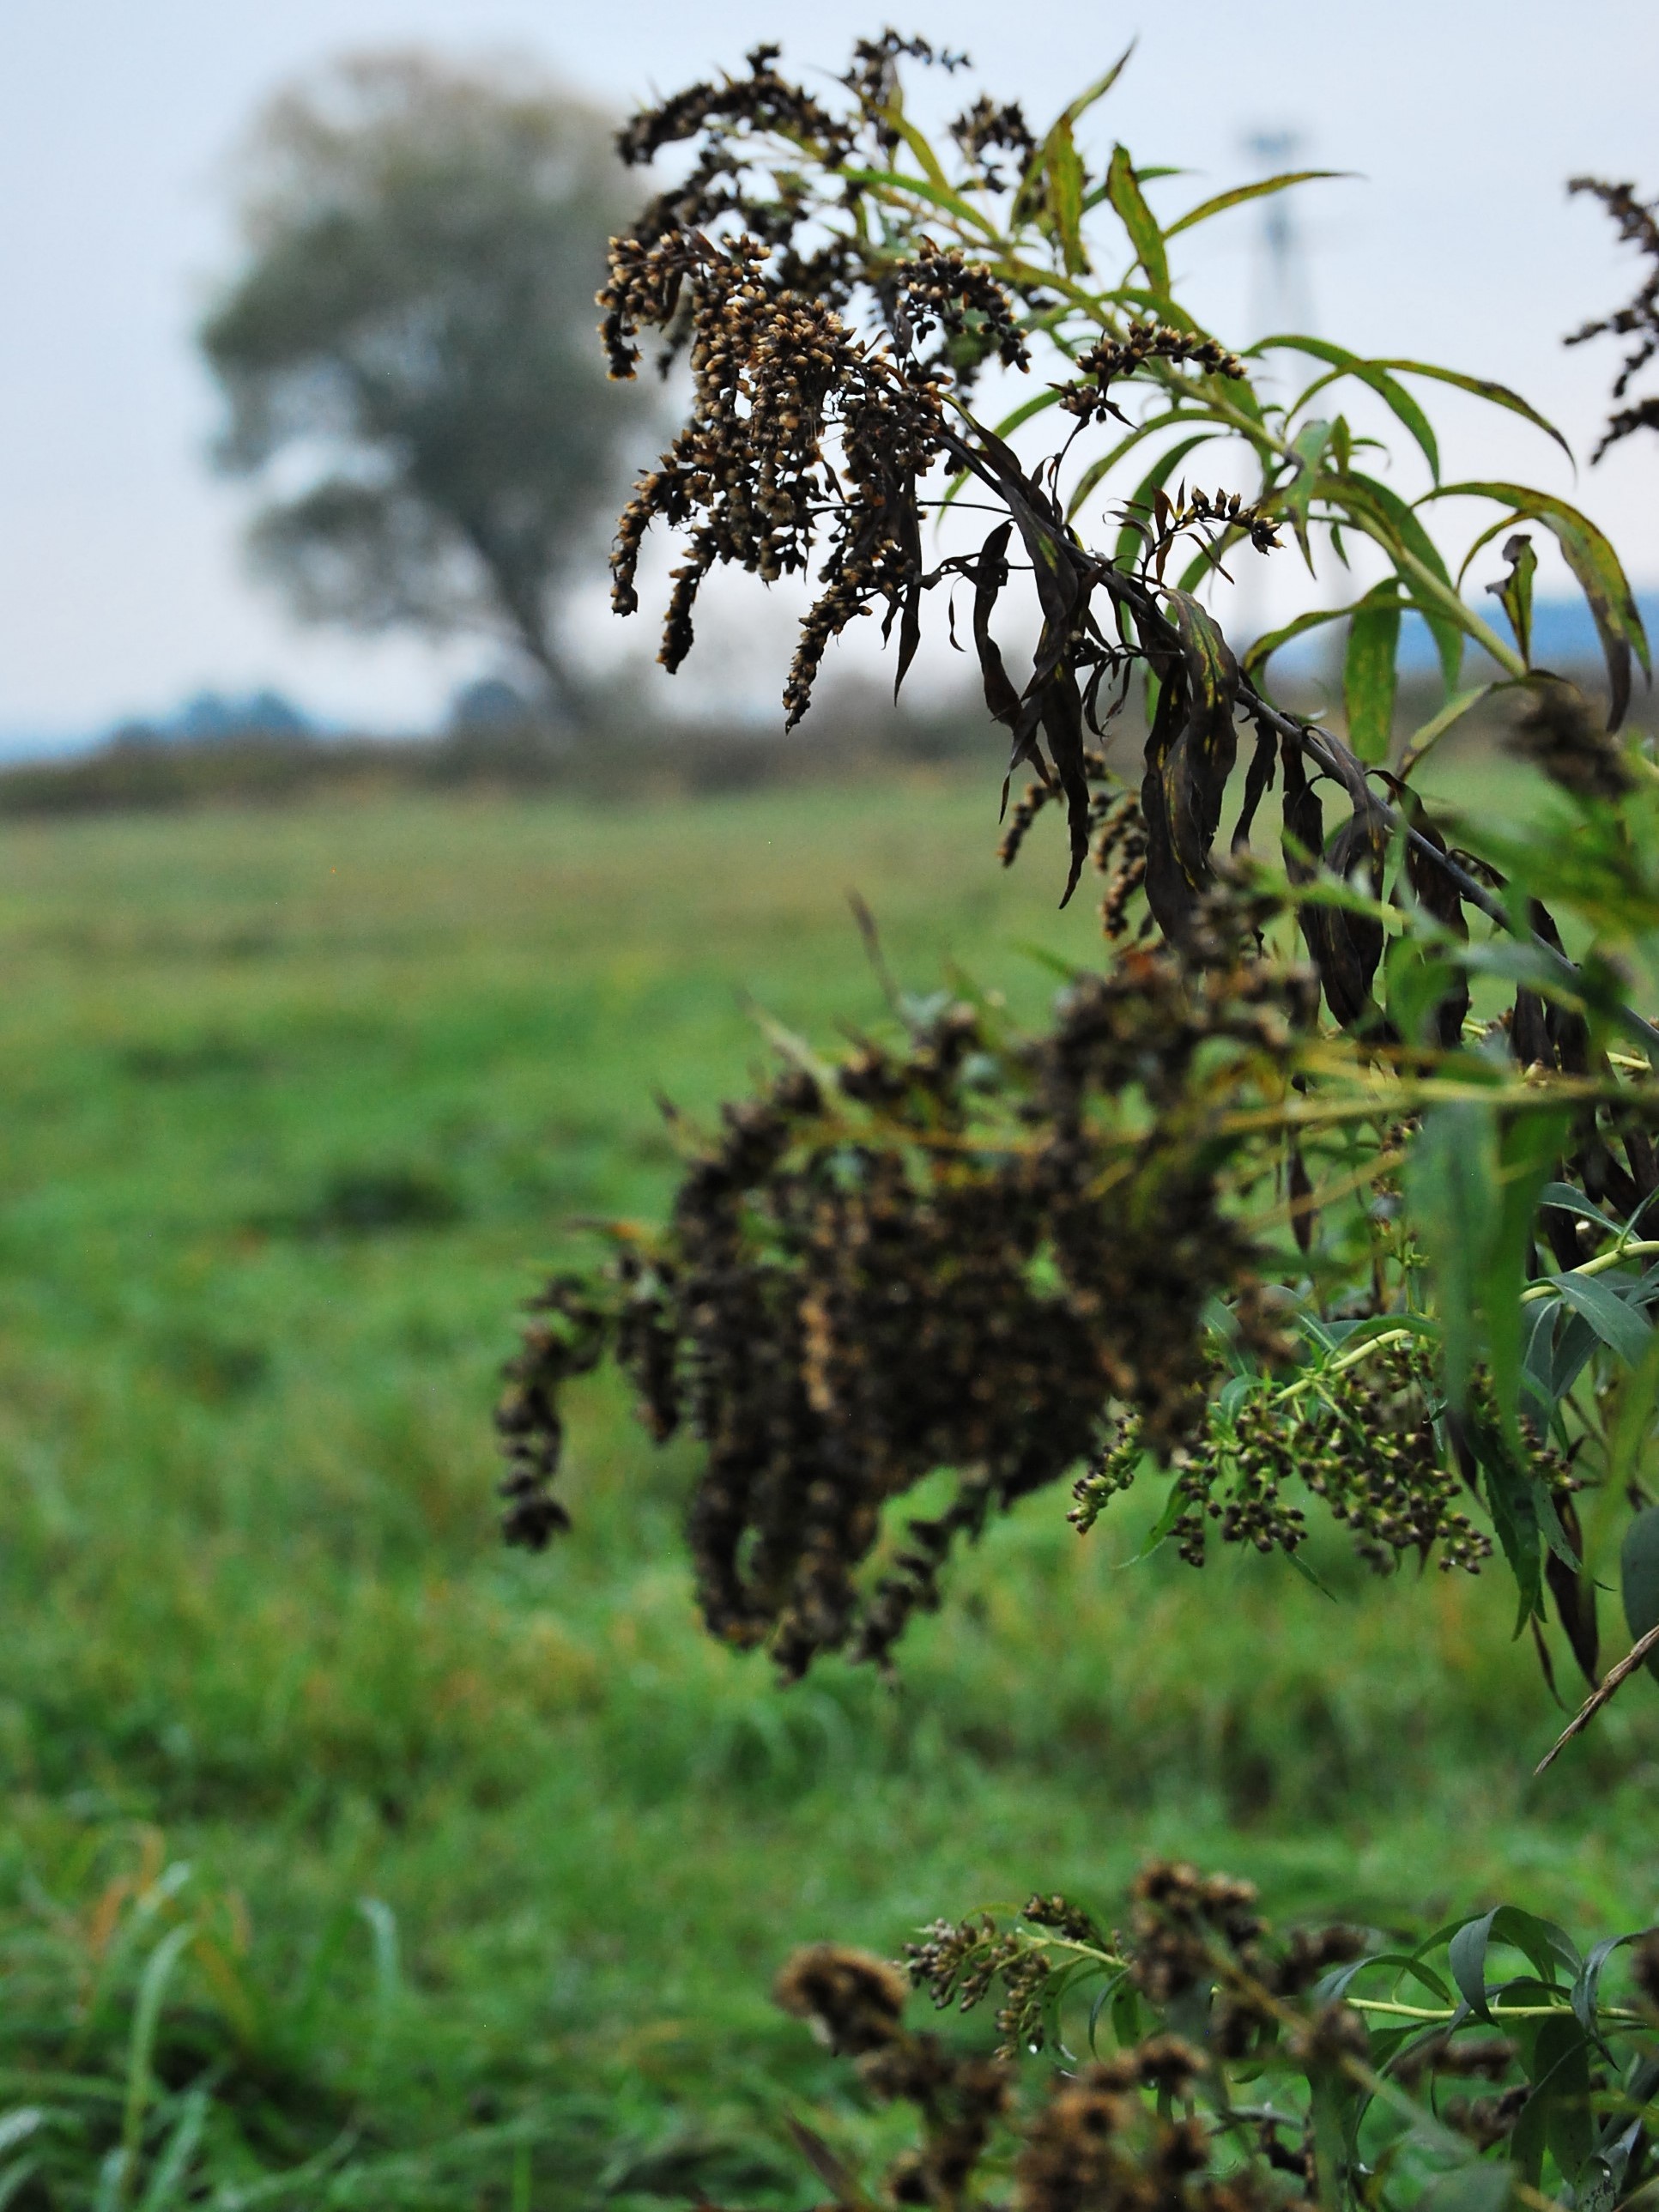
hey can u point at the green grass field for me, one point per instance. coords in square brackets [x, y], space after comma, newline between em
[297, 1106]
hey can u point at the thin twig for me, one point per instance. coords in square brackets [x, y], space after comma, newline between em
[1598, 1265]
[1498, 2011]
[873, 953]
[1611, 1680]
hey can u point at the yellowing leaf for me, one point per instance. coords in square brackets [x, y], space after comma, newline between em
[1125, 193]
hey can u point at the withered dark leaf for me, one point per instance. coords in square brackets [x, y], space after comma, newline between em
[1189, 759]
[1258, 782]
[1573, 1590]
[990, 576]
[1437, 894]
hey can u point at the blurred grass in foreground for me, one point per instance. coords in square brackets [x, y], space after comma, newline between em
[295, 1108]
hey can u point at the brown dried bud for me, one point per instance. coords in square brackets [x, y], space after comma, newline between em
[853, 2001]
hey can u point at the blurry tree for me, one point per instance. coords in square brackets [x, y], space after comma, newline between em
[412, 334]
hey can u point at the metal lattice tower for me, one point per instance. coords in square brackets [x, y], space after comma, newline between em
[1280, 293]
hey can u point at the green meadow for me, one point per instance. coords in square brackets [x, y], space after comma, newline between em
[298, 1105]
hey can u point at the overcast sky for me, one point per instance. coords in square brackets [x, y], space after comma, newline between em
[121, 587]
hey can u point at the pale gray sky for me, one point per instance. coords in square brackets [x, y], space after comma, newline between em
[120, 583]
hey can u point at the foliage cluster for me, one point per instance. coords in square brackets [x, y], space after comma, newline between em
[1219, 2069]
[1043, 1228]
[1336, 1186]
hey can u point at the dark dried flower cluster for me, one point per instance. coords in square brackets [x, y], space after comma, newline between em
[1559, 734]
[1188, 1932]
[853, 2002]
[1486, 2121]
[1364, 1439]
[953, 1256]
[1199, 1937]
[1242, 2066]
[1203, 512]
[990, 127]
[873, 77]
[1117, 835]
[1097, 2147]
[1465, 2057]
[749, 478]
[738, 182]
[1638, 226]
[1121, 2135]
[806, 440]
[943, 289]
[1088, 395]
[565, 1337]
[1120, 854]
[957, 1961]
[764, 100]
[1183, 1924]
[1370, 1447]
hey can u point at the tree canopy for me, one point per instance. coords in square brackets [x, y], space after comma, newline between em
[411, 333]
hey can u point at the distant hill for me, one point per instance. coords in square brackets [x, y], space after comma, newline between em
[1562, 635]
[212, 718]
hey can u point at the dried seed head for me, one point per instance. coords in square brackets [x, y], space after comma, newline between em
[1558, 735]
[853, 2001]
[939, 1262]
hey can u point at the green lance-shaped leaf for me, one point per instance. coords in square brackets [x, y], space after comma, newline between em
[1372, 375]
[916, 141]
[884, 181]
[1309, 447]
[1560, 2068]
[1638, 1575]
[1263, 648]
[1097, 91]
[1593, 562]
[1123, 190]
[1529, 1147]
[1473, 1186]
[1399, 530]
[1062, 168]
[1628, 1431]
[1483, 387]
[1515, 590]
[1619, 1325]
[1241, 194]
[1548, 1948]
[1586, 1989]
[1368, 673]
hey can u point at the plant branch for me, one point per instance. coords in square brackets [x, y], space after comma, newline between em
[1613, 1679]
